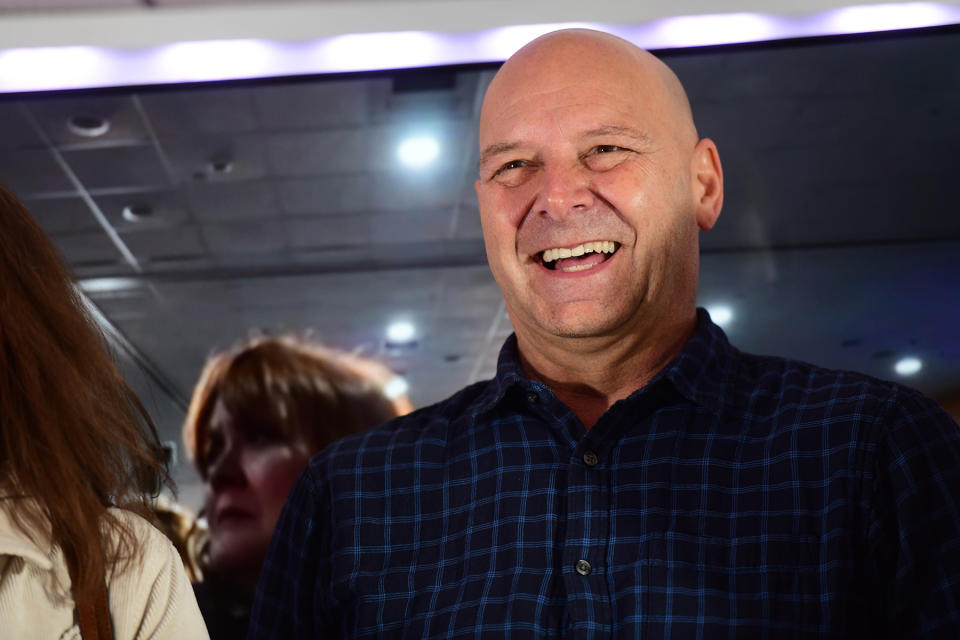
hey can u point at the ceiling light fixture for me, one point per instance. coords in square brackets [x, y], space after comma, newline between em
[137, 212]
[221, 164]
[401, 332]
[418, 152]
[88, 126]
[108, 285]
[721, 314]
[57, 68]
[908, 366]
[396, 387]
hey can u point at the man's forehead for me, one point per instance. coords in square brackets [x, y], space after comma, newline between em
[594, 75]
[572, 56]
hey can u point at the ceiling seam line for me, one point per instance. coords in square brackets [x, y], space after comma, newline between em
[94, 208]
[168, 168]
[121, 340]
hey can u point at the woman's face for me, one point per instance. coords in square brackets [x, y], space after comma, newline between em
[249, 475]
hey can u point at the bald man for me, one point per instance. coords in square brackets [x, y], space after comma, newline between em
[627, 473]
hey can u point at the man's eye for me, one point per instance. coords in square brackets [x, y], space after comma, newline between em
[513, 164]
[514, 173]
[604, 157]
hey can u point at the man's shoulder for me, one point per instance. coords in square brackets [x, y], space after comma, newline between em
[765, 369]
[787, 381]
[428, 428]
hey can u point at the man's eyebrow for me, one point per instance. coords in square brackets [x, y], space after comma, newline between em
[604, 130]
[616, 130]
[496, 148]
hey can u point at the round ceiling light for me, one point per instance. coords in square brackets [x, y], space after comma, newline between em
[396, 387]
[220, 164]
[88, 126]
[401, 332]
[908, 366]
[418, 152]
[721, 314]
[137, 212]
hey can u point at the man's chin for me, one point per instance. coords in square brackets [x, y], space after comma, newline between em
[581, 326]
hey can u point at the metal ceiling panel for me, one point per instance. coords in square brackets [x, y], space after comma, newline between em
[321, 104]
[32, 172]
[199, 111]
[223, 201]
[128, 168]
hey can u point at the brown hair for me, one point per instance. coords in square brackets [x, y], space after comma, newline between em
[179, 524]
[74, 438]
[294, 387]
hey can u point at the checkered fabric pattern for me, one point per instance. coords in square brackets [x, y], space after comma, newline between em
[734, 496]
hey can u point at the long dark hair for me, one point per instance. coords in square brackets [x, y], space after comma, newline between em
[74, 438]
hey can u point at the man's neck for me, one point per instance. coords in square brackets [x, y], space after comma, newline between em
[591, 374]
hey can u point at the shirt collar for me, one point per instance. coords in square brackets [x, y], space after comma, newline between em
[699, 372]
[702, 369]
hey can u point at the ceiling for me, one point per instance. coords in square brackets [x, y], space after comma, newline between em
[280, 206]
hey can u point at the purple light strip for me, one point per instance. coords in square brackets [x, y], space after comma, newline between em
[52, 68]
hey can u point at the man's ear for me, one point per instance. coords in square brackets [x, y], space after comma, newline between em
[707, 183]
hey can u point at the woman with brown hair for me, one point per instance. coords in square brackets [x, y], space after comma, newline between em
[257, 414]
[79, 463]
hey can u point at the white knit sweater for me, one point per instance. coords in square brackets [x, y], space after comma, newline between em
[151, 599]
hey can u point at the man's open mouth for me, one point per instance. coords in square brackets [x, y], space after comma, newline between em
[578, 258]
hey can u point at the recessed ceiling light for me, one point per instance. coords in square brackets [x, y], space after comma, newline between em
[220, 164]
[721, 314]
[88, 126]
[908, 366]
[401, 332]
[418, 152]
[108, 285]
[137, 212]
[396, 387]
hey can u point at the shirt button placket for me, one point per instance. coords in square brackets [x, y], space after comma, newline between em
[586, 534]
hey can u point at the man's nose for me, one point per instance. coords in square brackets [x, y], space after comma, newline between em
[564, 190]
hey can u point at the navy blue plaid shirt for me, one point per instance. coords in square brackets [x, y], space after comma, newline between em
[734, 496]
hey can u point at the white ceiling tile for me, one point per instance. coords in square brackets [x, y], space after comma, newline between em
[320, 104]
[63, 216]
[118, 167]
[224, 201]
[30, 172]
[179, 112]
[165, 243]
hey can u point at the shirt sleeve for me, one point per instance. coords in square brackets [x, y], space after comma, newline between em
[290, 597]
[914, 530]
[151, 599]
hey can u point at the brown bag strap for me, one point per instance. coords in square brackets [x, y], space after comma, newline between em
[94, 617]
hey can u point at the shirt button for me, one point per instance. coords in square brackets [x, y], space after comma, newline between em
[532, 398]
[591, 459]
[583, 567]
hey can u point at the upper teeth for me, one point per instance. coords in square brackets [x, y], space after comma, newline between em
[600, 246]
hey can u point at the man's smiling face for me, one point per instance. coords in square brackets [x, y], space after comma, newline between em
[586, 190]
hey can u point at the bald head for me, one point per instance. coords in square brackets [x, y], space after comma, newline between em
[592, 190]
[594, 61]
